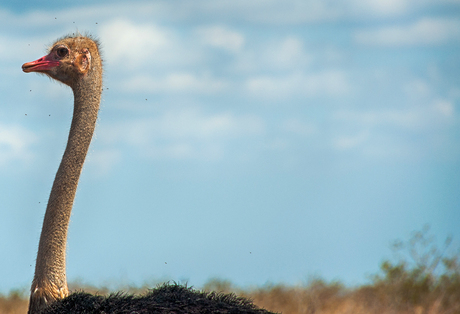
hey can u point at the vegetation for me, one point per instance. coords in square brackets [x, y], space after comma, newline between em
[421, 279]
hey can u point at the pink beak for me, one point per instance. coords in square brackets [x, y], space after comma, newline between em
[41, 65]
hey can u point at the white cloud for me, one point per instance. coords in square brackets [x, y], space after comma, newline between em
[422, 116]
[175, 82]
[194, 124]
[323, 83]
[262, 11]
[296, 12]
[380, 7]
[221, 37]
[343, 142]
[296, 126]
[202, 12]
[9, 42]
[101, 161]
[286, 54]
[290, 52]
[127, 44]
[427, 31]
[444, 107]
[386, 6]
[418, 89]
[412, 132]
[15, 142]
[185, 134]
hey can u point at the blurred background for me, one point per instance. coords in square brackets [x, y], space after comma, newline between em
[254, 141]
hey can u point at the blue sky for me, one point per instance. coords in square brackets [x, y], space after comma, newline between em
[256, 141]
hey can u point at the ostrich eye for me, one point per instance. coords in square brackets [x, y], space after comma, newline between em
[62, 52]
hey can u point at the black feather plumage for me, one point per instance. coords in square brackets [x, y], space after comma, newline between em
[167, 298]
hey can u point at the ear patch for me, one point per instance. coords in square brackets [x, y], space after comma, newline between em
[83, 61]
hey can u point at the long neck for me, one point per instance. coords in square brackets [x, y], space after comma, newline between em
[50, 282]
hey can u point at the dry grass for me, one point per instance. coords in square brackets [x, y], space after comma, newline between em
[16, 302]
[328, 300]
[317, 297]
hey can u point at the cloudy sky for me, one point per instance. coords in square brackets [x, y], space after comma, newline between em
[256, 141]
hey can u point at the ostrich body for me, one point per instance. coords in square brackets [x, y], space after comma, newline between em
[76, 62]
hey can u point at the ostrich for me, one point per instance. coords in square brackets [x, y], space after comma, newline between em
[76, 62]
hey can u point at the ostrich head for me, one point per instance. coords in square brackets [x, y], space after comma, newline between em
[69, 60]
